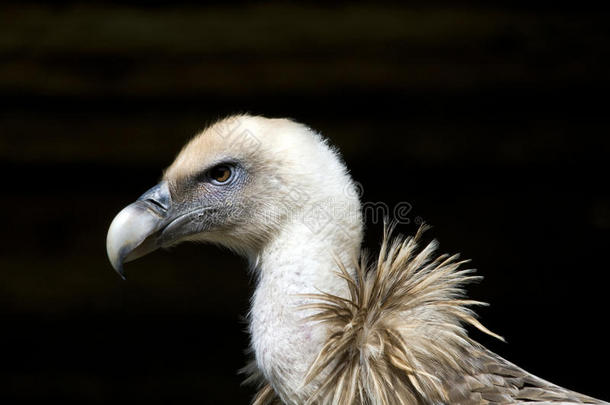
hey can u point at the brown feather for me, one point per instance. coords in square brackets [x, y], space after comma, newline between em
[399, 338]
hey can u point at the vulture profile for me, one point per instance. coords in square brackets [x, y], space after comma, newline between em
[327, 325]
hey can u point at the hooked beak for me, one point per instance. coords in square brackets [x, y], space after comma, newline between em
[136, 230]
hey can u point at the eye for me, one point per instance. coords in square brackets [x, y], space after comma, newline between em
[221, 174]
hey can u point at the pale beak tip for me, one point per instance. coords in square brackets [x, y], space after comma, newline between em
[120, 271]
[131, 233]
[117, 264]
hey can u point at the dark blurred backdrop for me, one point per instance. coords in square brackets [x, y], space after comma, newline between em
[491, 120]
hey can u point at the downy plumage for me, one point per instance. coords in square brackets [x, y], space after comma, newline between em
[398, 338]
[326, 327]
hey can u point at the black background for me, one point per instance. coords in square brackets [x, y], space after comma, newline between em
[491, 120]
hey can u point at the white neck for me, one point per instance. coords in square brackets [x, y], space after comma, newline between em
[300, 260]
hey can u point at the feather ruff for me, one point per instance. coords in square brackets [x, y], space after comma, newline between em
[401, 322]
[399, 338]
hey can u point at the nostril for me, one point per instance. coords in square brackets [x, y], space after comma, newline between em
[156, 203]
[157, 198]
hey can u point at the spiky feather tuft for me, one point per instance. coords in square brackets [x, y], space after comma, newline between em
[401, 321]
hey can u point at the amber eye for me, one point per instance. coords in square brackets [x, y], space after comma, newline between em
[221, 173]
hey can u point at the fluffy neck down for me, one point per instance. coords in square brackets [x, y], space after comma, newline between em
[284, 341]
[323, 228]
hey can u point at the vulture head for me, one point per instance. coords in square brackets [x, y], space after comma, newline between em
[240, 183]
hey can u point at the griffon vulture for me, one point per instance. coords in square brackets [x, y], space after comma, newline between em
[327, 327]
